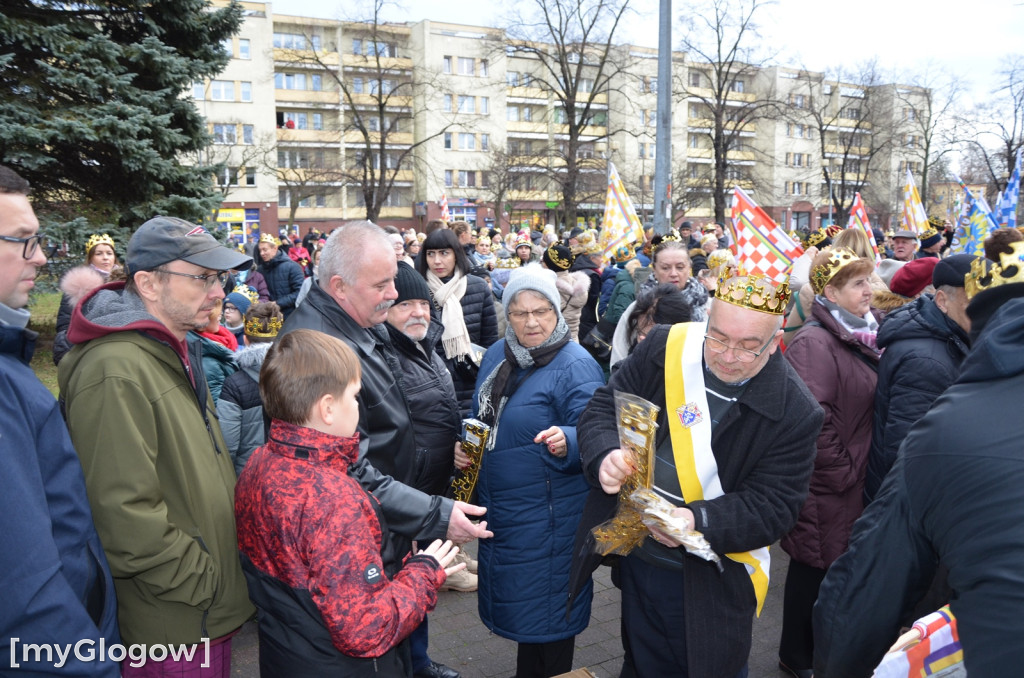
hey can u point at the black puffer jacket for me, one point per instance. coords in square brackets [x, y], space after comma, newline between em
[284, 280]
[387, 447]
[952, 497]
[436, 419]
[923, 352]
[588, 316]
[482, 324]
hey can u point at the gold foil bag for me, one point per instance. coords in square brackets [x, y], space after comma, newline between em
[474, 441]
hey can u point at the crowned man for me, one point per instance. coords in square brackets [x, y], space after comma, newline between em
[735, 448]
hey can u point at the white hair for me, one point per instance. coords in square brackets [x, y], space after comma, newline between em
[344, 253]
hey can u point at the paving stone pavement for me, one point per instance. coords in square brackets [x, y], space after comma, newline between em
[459, 640]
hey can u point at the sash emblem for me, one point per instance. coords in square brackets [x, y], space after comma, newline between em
[690, 415]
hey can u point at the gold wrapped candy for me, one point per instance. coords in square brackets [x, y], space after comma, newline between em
[474, 440]
[637, 424]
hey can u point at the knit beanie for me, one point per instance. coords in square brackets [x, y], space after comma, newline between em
[410, 284]
[239, 301]
[558, 258]
[535, 278]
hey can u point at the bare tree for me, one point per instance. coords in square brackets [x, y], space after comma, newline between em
[232, 156]
[577, 64]
[851, 118]
[378, 87]
[309, 176]
[502, 177]
[995, 130]
[721, 40]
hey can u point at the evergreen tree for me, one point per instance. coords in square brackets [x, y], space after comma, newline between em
[95, 104]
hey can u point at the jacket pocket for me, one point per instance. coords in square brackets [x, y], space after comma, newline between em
[198, 537]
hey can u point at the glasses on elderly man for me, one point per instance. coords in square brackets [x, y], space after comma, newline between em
[743, 355]
[209, 280]
[31, 244]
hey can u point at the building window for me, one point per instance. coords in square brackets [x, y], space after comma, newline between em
[467, 104]
[250, 176]
[294, 120]
[483, 68]
[228, 45]
[585, 85]
[851, 113]
[446, 64]
[296, 41]
[512, 79]
[467, 142]
[485, 105]
[381, 87]
[512, 113]
[222, 90]
[318, 121]
[198, 90]
[448, 178]
[224, 133]
[247, 135]
[797, 100]
[357, 46]
[694, 79]
[447, 103]
[694, 141]
[447, 141]
[244, 49]
[909, 114]
[485, 142]
[227, 176]
[467, 178]
[737, 86]
[465, 66]
[246, 91]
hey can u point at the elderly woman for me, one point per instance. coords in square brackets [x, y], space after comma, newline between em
[670, 263]
[532, 387]
[466, 305]
[835, 354]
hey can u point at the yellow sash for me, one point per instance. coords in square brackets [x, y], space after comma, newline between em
[690, 427]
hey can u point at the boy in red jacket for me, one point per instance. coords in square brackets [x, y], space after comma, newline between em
[311, 537]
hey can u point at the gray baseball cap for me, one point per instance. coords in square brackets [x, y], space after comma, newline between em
[905, 233]
[164, 239]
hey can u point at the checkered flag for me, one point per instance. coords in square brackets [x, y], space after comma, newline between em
[762, 246]
[859, 219]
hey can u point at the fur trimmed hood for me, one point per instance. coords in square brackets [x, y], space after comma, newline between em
[79, 281]
[572, 284]
[251, 357]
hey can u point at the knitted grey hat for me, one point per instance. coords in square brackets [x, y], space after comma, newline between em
[535, 278]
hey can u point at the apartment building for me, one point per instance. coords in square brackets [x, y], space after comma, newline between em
[320, 121]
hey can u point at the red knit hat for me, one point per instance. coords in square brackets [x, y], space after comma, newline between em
[914, 277]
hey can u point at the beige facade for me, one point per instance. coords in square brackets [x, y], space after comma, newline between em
[317, 115]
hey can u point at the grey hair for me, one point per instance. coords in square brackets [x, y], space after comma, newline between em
[345, 250]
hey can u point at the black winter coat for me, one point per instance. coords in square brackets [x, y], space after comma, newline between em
[923, 352]
[387, 447]
[764, 447]
[588, 316]
[436, 419]
[953, 496]
[284, 279]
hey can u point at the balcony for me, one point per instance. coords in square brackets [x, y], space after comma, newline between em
[305, 96]
[298, 57]
[527, 93]
[364, 62]
[310, 136]
[391, 101]
[393, 139]
[526, 127]
[707, 94]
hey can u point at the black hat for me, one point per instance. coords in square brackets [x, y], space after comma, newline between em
[951, 270]
[410, 284]
[687, 225]
[575, 232]
[164, 239]
[558, 257]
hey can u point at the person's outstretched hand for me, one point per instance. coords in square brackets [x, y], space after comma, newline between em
[444, 553]
[461, 529]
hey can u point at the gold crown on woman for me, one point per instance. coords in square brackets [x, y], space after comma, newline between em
[263, 327]
[507, 262]
[270, 238]
[753, 291]
[838, 258]
[98, 239]
[1010, 269]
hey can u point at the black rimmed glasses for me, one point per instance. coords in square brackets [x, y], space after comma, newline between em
[743, 355]
[539, 314]
[209, 280]
[31, 244]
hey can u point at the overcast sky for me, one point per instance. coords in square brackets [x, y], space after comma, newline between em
[909, 37]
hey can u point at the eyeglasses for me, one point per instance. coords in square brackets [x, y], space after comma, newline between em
[743, 355]
[31, 244]
[539, 314]
[209, 280]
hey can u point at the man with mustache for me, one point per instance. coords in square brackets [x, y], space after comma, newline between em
[350, 300]
[158, 473]
[436, 421]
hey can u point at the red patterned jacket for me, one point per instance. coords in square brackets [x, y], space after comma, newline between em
[311, 540]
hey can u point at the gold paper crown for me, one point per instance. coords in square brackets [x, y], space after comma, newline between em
[248, 292]
[928, 232]
[720, 257]
[561, 262]
[483, 240]
[1010, 269]
[97, 239]
[263, 327]
[507, 262]
[816, 238]
[754, 291]
[272, 239]
[838, 258]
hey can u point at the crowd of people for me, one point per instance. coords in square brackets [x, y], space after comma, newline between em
[274, 434]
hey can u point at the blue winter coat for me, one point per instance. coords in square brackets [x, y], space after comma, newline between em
[534, 501]
[56, 582]
[284, 279]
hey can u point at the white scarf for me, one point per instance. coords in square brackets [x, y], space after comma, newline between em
[448, 295]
